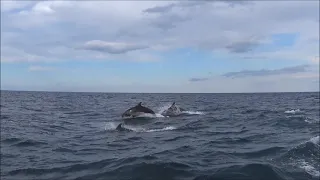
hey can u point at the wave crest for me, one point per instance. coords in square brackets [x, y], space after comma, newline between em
[293, 111]
[304, 156]
[193, 112]
[315, 140]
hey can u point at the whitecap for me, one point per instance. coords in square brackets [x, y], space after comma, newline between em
[110, 126]
[169, 128]
[193, 112]
[163, 108]
[293, 111]
[166, 106]
[309, 169]
[315, 140]
[311, 120]
[133, 128]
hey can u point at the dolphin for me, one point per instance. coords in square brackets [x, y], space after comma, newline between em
[120, 128]
[173, 110]
[136, 111]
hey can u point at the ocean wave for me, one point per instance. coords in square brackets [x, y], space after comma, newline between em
[309, 168]
[145, 167]
[314, 140]
[176, 138]
[62, 149]
[293, 111]
[250, 171]
[151, 168]
[261, 152]
[237, 136]
[3, 117]
[30, 143]
[304, 156]
[193, 112]
[311, 120]
[113, 126]
[187, 112]
[10, 140]
[162, 129]
[144, 170]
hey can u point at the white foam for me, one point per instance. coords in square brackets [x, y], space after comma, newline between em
[110, 126]
[309, 169]
[311, 120]
[163, 108]
[132, 128]
[315, 140]
[193, 112]
[293, 111]
[306, 120]
[159, 115]
[169, 128]
[166, 106]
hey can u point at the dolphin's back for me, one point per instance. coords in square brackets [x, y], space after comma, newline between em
[145, 110]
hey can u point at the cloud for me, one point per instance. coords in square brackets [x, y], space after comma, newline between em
[111, 47]
[276, 83]
[294, 72]
[10, 5]
[241, 47]
[198, 79]
[40, 68]
[55, 29]
[160, 9]
[266, 72]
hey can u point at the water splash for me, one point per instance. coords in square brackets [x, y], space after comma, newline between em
[163, 108]
[293, 111]
[110, 126]
[309, 168]
[166, 106]
[305, 156]
[311, 120]
[193, 112]
[169, 128]
[315, 140]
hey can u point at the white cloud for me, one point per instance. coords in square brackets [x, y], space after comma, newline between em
[10, 5]
[61, 26]
[111, 47]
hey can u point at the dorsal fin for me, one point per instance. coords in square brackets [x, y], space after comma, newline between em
[173, 103]
[139, 104]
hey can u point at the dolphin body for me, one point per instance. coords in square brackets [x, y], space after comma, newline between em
[136, 111]
[173, 110]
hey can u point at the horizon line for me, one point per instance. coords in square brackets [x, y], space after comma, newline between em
[53, 91]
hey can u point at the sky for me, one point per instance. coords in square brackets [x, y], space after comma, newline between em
[160, 46]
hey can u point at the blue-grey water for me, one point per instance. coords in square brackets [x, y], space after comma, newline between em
[262, 136]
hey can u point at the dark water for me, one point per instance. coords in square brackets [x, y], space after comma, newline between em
[223, 136]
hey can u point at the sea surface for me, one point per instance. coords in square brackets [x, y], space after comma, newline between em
[262, 136]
